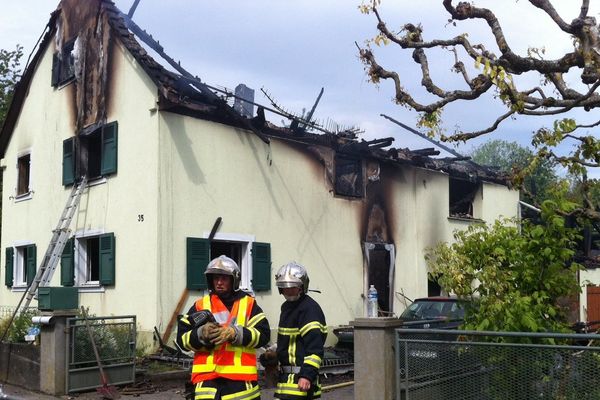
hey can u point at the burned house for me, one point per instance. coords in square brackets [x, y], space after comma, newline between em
[177, 175]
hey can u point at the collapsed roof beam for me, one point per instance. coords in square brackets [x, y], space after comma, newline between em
[132, 9]
[408, 128]
[312, 110]
[379, 143]
[429, 151]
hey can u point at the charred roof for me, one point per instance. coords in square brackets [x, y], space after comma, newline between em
[184, 94]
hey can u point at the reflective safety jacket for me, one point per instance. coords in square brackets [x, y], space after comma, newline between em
[300, 340]
[227, 360]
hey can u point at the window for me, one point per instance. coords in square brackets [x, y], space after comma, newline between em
[89, 261]
[253, 258]
[20, 265]
[63, 64]
[462, 197]
[93, 155]
[23, 175]
[348, 176]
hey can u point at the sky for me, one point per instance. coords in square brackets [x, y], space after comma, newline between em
[294, 48]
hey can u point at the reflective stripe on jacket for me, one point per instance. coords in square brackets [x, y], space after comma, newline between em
[226, 361]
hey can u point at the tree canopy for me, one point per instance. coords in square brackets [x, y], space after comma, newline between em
[538, 175]
[494, 71]
[10, 74]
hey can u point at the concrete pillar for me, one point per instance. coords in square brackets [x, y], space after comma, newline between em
[53, 352]
[374, 362]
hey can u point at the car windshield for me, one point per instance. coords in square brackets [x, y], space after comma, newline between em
[433, 309]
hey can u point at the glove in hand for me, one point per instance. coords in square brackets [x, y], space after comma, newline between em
[209, 331]
[226, 334]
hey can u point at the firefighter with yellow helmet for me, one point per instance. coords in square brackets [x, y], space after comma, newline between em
[223, 328]
[300, 336]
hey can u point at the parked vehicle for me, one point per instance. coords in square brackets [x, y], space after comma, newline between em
[434, 313]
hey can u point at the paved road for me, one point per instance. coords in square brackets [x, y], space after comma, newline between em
[17, 393]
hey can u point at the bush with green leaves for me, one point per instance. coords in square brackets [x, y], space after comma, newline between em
[514, 271]
[114, 341]
[19, 326]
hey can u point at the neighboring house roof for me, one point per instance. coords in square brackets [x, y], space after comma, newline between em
[188, 96]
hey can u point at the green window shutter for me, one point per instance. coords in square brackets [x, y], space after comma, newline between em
[107, 259]
[261, 266]
[8, 273]
[67, 266]
[31, 263]
[68, 172]
[198, 256]
[55, 69]
[108, 164]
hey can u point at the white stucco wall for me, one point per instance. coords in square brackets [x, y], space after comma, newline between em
[45, 121]
[279, 194]
[275, 193]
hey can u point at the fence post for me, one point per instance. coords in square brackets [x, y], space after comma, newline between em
[374, 358]
[53, 351]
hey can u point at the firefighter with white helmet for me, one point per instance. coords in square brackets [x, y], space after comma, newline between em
[300, 336]
[224, 362]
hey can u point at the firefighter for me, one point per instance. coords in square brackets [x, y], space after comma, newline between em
[300, 336]
[224, 340]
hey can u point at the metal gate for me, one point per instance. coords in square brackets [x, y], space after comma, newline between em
[115, 339]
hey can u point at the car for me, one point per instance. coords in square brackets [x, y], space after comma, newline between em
[437, 312]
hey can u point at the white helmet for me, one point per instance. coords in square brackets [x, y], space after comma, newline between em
[290, 275]
[223, 265]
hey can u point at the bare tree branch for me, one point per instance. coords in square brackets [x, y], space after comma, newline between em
[497, 72]
[549, 9]
[470, 135]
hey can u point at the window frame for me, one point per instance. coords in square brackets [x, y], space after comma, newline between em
[246, 262]
[346, 159]
[19, 282]
[75, 158]
[59, 78]
[476, 187]
[27, 194]
[80, 261]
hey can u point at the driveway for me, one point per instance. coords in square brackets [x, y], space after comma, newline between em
[18, 393]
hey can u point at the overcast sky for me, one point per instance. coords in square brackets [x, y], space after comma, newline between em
[293, 48]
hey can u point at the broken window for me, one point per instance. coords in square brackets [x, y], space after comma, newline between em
[253, 258]
[93, 155]
[63, 64]
[23, 166]
[348, 176]
[462, 197]
[433, 287]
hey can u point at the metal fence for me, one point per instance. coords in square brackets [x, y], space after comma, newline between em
[115, 340]
[469, 365]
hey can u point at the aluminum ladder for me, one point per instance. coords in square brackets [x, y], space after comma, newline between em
[60, 235]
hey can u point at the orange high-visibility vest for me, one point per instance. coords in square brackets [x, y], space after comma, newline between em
[226, 361]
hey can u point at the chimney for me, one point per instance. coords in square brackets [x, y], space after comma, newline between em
[243, 107]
